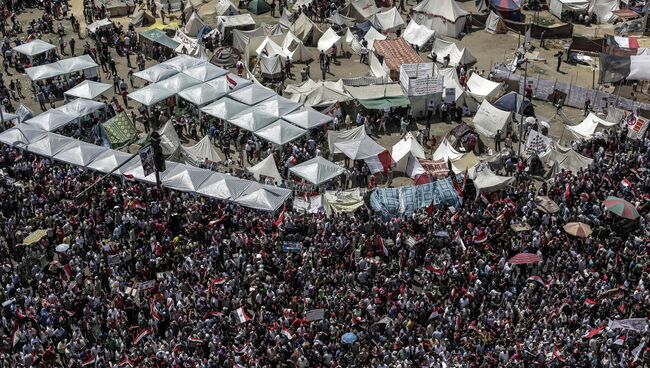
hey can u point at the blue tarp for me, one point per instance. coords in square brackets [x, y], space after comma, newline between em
[362, 29]
[513, 102]
[404, 201]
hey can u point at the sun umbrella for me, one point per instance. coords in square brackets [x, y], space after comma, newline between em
[578, 229]
[35, 236]
[525, 258]
[349, 338]
[544, 124]
[62, 247]
[621, 207]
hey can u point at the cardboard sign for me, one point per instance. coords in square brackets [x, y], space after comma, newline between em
[315, 314]
[144, 286]
[292, 247]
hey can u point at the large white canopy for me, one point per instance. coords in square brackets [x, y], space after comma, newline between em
[81, 107]
[222, 186]
[202, 150]
[185, 178]
[337, 136]
[156, 73]
[46, 71]
[266, 167]
[230, 83]
[404, 148]
[178, 82]
[317, 170]
[307, 118]
[183, 62]
[88, 89]
[482, 88]
[252, 119]
[22, 134]
[202, 94]
[252, 94]
[489, 119]
[445, 17]
[360, 149]
[224, 108]
[329, 39]
[205, 72]
[79, 153]
[151, 94]
[51, 120]
[280, 132]
[588, 126]
[277, 106]
[486, 181]
[77, 63]
[108, 160]
[134, 169]
[49, 145]
[33, 48]
[416, 34]
[266, 198]
[387, 20]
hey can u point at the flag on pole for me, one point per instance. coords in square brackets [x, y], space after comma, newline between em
[231, 82]
[278, 222]
[594, 331]
[241, 315]
[637, 351]
[481, 237]
[88, 361]
[152, 309]
[590, 303]
[620, 341]
[141, 335]
[382, 246]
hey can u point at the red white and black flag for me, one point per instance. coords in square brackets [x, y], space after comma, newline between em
[614, 68]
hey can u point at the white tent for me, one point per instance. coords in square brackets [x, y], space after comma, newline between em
[81, 107]
[205, 72]
[202, 150]
[79, 153]
[341, 20]
[329, 39]
[266, 167]
[108, 160]
[151, 94]
[230, 83]
[305, 29]
[183, 62]
[492, 24]
[185, 178]
[566, 158]
[588, 126]
[457, 56]
[388, 20]
[271, 66]
[362, 9]
[51, 120]
[373, 35]
[252, 94]
[224, 187]
[277, 106]
[88, 89]
[557, 7]
[21, 135]
[226, 7]
[169, 141]
[482, 88]
[178, 82]
[317, 170]
[604, 10]
[317, 94]
[298, 4]
[49, 145]
[302, 54]
[486, 181]
[227, 23]
[224, 108]
[267, 198]
[446, 151]
[202, 94]
[46, 71]
[416, 34]
[156, 73]
[243, 41]
[269, 48]
[135, 171]
[33, 48]
[307, 118]
[405, 148]
[360, 149]
[280, 132]
[194, 25]
[445, 17]
[339, 136]
[489, 119]
[76, 64]
[252, 119]
[451, 81]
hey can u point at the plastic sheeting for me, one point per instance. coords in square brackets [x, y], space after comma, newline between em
[88, 89]
[280, 132]
[338, 136]
[202, 150]
[307, 118]
[416, 34]
[169, 140]
[271, 66]
[604, 10]
[317, 170]
[317, 94]
[457, 56]
[51, 120]
[194, 25]
[557, 7]
[489, 119]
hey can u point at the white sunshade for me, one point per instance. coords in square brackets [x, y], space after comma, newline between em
[317, 170]
[280, 132]
[266, 198]
[201, 94]
[178, 82]
[277, 106]
[252, 95]
[308, 118]
[252, 119]
[185, 178]
[51, 120]
[360, 149]
[266, 167]
[222, 186]
[151, 94]
[33, 48]
[44, 71]
[79, 153]
[205, 72]
[183, 62]
[156, 73]
[135, 170]
[49, 145]
[88, 89]
[76, 64]
[81, 107]
[224, 108]
[22, 134]
[230, 83]
[108, 160]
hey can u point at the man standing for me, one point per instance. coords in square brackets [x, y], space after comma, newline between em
[71, 43]
[497, 141]
[587, 107]
[541, 40]
[559, 60]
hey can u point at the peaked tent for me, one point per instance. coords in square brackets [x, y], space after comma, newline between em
[489, 119]
[373, 35]
[226, 7]
[266, 167]
[462, 97]
[494, 24]
[329, 39]
[318, 94]
[81, 107]
[388, 21]
[307, 118]
[446, 152]
[588, 126]
[341, 20]
[178, 82]
[306, 30]
[120, 130]
[252, 95]
[135, 170]
[360, 149]
[51, 120]
[280, 132]
[267, 198]
[258, 7]
[271, 66]
[229, 83]
[88, 89]
[108, 160]
[224, 108]
[252, 119]
[513, 102]
[457, 56]
[182, 62]
[362, 9]
[151, 94]
[202, 150]
[156, 73]
[317, 170]
[205, 72]
[184, 177]
[277, 106]
[568, 160]
[486, 181]
[21, 135]
[302, 54]
[49, 145]
[141, 18]
[481, 88]
[557, 7]
[79, 153]
[445, 17]
[224, 187]
[201, 94]
[404, 148]
[418, 35]
[268, 48]
[33, 48]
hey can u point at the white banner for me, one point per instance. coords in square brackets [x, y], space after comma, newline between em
[636, 324]
[418, 79]
[310, 204]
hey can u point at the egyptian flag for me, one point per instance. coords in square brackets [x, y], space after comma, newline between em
[152, 309]
[126, 361]
[195, 340]
[287, 334]
[594, 332]
[380, 163]
[232, 84]
[67, 272]
[627, 183]
[88, 361]
[590, 303]
[437, 271]
[382, 246]
[241, 315]
[128, 176]
[536, 279]
[620, 341]
[278, 222]
[622, 42]
[216, 282]
[614, 69]
[141, 335]
[481, 237]
[431, 206]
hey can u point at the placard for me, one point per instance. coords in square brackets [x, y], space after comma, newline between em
[450, 95]
[315, 314]
[146, 285]
[292, 247]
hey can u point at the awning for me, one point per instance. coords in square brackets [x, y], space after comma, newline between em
[385, 102]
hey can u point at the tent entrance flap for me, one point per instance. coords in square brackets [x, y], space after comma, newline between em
[385, 102]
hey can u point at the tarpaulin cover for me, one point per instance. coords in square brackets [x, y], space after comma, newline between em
[485, 181]
[404, 201]
[159, 37]
[271, 66]
[614, 69]
[169, 140]
[258, 7]
[362, 9]
[202, 150]
[317, 94]
[416, 34]
[120, 130]
[385, 102]
[344, 201]
[513, 102]
[557, 7]
[102, 23]
[445, 151]
[387, 20]
[457, 56]
[194, 25]
[329, 39]
[226, 7]
[451, 81]
[482, 88]
[604, 10]
[405, 147]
